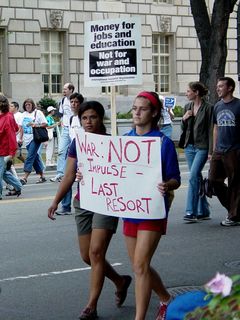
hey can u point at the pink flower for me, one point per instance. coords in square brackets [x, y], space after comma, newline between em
[220, 284]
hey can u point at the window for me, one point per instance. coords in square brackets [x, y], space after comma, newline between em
[161, 63]
[107, 90]
[52, 61]
[1, 59]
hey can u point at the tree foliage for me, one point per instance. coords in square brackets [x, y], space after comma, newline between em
[45, 102]
[212, 36]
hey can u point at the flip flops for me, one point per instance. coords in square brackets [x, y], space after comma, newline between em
[120, 296]
[88, 314]
[13, 193]
[23, 181]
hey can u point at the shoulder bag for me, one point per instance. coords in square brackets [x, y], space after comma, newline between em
[182, 138]
[206, 188]
[40, 134]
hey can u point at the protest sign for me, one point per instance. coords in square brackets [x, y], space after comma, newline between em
[169, 102]
[112, 52]
[120, 175]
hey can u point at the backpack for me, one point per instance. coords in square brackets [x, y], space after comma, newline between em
[70, 120]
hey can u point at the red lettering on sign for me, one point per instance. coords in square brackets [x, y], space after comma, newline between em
[104, 189]
[136, 206]
[86, 147]
[130, 151]
[107, 170]
[112, 147]
[123, 172]
[129, 143]
[149, 143]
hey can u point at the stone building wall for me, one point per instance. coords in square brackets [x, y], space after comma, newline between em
[24, 19]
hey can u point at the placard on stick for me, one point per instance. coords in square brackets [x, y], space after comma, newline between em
[112, 52]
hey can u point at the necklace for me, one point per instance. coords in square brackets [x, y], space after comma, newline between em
[196, 108]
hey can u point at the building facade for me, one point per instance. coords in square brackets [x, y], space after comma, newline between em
[42, 46]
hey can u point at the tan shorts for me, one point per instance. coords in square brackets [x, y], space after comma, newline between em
[87, 220]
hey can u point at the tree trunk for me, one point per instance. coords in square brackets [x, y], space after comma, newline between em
[212, 36]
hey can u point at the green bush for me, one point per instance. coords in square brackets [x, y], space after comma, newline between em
[178, 111]
[45, 102]
[126, 115]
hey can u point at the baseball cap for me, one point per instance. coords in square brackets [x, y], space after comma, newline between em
[51, 108]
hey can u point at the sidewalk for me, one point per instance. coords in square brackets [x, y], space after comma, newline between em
[19, 166]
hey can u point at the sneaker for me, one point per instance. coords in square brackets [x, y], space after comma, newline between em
[52, 164]
[190, 217]
[162, 311]
[63, 212]
[56, 179]
[9, 187]
[229, 223]
[202, 217]
[41, 180]
[13, 193]
[88, 314]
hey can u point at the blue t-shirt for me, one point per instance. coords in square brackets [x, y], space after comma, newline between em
[72, 151]
[227, 118]
[170, 167]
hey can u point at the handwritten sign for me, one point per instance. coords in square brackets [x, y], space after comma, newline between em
[112, 52]
[120, 175]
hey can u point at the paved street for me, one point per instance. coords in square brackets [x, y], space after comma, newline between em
[43, 278]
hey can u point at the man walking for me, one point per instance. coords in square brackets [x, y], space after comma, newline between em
[226, 156]
[76, 99]
[66, 112]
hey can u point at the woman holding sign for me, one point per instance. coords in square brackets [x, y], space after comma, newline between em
[142, 236]
[94, 230]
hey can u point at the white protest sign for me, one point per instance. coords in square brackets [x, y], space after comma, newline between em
[120, 175]
[112, 52]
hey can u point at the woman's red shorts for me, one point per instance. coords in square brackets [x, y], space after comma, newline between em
[130, 228]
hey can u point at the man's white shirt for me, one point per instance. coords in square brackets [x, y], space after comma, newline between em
[75, 125]
[65, 109]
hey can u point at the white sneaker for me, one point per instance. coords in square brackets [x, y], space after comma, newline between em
[62, 212]
[229, 223]
[56, 179]
[53, 164]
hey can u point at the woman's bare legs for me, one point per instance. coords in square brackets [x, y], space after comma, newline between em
[93, 248]
[141, 250]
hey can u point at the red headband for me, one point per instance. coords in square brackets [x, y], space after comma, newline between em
[149, 96]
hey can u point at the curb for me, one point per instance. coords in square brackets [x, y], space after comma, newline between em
[181, 157]
[19, 168]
